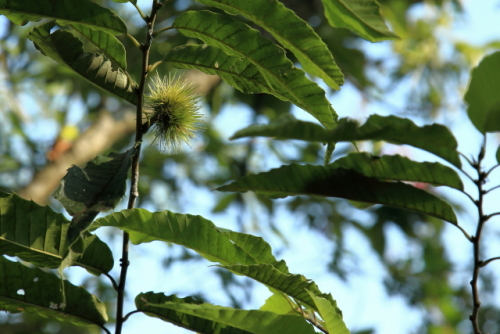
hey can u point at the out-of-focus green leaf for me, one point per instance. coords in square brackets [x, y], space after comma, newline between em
[291, 32]
[239, 40]
[109, 44]
[213, 319]
[482, 95]
[194, 232]
[37, 235]
[99, 186]
[435, 138]
[295, 286]
[362, 17]
[237, 72]
[497, 155]
[67, 50]
[396, 167]
[333, 320]
[30, 290]
[344, 183]
[67, 11]
[224, 202]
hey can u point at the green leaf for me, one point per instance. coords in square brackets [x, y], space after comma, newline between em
[67, 50]
[239, 40]
[237, 72]
[343, 183]
[333, 320]
[279, 304]
[291, 32]
[295, 286]
[99, 186]
[482, 95]
[194, 232]
[435, 138]
[396, 167]
[109, 44]
[67, 11]
[208, 318]
[497, 155]
[36, 234]
[362, 17]
[30, 290]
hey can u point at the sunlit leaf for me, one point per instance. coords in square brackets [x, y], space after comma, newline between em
[67, 11]
[332, 319]
[435, 138]
[194, 232]
[291, 32]
[109, 44]
[30, 290]
[360, 16]
[396, 167]
[37, 234]
[344, 183]
[99, 186]
[278, 303]
[66, 49]
[295, 286]
[208, 318]
[482, 95]
[239, 40]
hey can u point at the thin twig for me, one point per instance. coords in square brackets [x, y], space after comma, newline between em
[144, 17]
[492, 169]
[476, 241]
[134, 193]
[464, 232]
[484, 263]
[105, 329]
[487, 191]
[132, 38]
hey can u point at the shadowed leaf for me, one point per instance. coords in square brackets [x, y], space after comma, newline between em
[344, 183]
[396, 167]
[208, 318]
[362, 17]
[99, 186]
[239, 40]
[67, 11]
[109, 44]
[67, 50]
[435, 138]
[291, 32]
[37, 235]
[30, 290]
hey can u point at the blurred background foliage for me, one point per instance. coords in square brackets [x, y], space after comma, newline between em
[47, 115]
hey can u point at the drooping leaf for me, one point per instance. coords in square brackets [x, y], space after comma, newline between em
[343, 183]
[37, 235]
[482, 95]
[66, 49]
[108, 43]
[362, 17]
[237, 72]
[67, 11]
[332, 319]
[435, 138]
[239, 40]
[99, 186]
[32, 290]
[396, 167]
[295, 286]
[194, 232]
[291, 32]
[208, 318]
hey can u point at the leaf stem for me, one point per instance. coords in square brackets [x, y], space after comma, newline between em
[484, 263]
[134, 193]
[113, 282]
[476, 240]
[156, 33]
